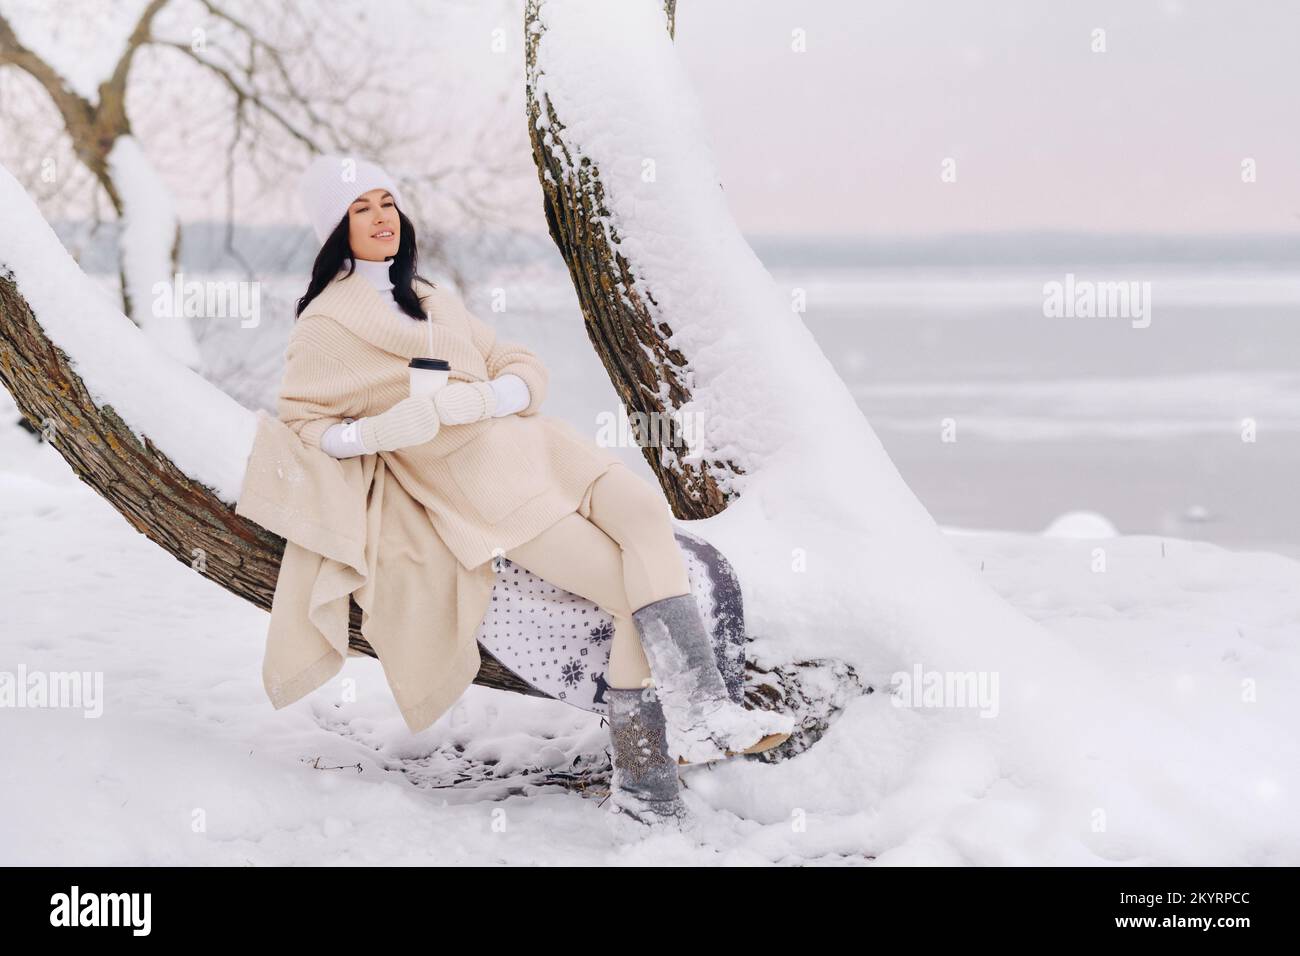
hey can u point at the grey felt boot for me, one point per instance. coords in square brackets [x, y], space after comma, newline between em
[703, 722]
[645, 784]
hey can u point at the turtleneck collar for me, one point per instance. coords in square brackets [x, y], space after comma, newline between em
[377, 274]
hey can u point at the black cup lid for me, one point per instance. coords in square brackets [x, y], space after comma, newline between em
[441, 365]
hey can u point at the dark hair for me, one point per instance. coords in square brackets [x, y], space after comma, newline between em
[336, 249]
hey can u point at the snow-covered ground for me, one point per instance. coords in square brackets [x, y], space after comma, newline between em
[188, 762]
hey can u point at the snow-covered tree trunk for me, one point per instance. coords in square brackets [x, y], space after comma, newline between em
[630, 332]
[676, 305]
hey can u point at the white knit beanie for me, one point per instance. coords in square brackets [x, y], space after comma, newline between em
[330, 184]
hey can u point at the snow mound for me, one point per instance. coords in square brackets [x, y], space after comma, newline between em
[1081, 524]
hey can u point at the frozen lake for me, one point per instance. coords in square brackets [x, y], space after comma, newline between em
[1051, 414]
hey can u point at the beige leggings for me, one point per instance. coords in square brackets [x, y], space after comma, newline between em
[618, 551]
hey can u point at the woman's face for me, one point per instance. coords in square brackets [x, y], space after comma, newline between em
[373, 228]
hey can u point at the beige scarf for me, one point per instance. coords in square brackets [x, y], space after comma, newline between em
[351, 529]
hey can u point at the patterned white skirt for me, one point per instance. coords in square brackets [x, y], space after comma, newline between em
[559, 642]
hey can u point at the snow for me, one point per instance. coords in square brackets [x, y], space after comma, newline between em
[1081, 524]
[148, 231]
[189, 764]
[205, 432]
[1145, 710]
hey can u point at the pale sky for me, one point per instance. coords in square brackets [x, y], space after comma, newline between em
[850, 136]
[1149, 136]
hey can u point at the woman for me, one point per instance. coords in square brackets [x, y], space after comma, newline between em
[497, 478]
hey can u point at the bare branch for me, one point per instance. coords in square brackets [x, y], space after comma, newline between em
[244, 96]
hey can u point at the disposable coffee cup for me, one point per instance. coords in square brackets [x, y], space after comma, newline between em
[427, 376]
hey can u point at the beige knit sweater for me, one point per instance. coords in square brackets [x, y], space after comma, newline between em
[486, 486]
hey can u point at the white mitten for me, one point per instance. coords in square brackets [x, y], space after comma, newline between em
[464, 402]
[412, 421]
